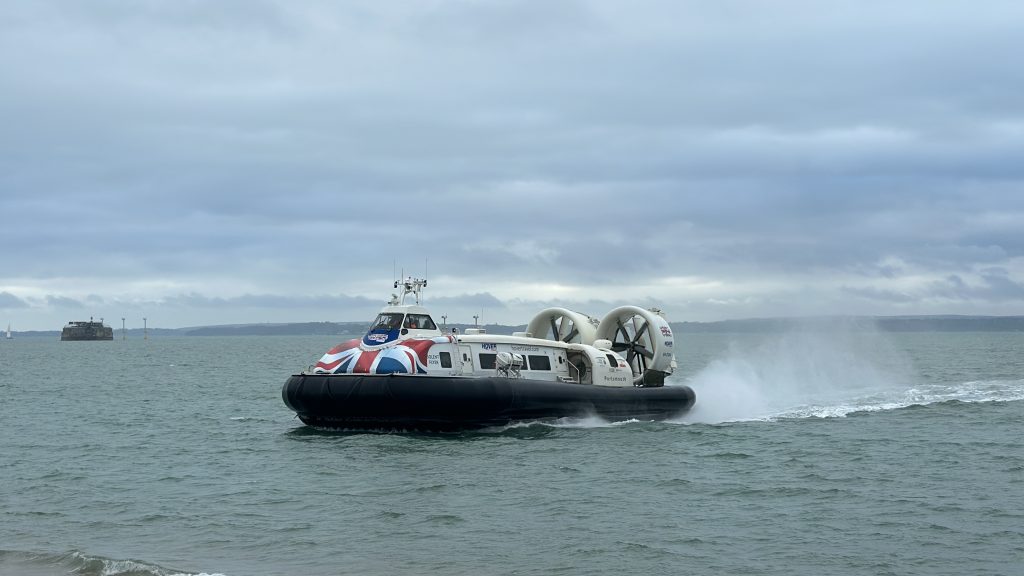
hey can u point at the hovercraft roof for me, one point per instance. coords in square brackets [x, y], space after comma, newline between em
[404, 309]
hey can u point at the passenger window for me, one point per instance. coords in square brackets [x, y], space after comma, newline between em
[540, 362]
[446, 360]
[420, 322]
[612, 360]
[487, 361]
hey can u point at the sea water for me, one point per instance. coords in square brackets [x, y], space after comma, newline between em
[825, 451]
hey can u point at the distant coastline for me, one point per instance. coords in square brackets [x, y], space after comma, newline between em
[947, 323]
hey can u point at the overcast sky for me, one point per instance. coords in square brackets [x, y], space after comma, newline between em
[200, 162]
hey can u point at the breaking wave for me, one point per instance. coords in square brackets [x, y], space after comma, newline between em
[981, 391]
[76, 563]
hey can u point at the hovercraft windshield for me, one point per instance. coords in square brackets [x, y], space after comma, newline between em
[390, 326]
[387, 321]
[384, 329]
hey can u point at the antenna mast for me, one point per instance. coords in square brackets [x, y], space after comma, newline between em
[412, 286]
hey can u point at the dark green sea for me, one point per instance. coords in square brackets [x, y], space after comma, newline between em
[823, 452]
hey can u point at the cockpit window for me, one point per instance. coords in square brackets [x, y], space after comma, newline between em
[419, 322]
[388, 321]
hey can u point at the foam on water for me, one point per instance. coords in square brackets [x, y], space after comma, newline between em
[990, 391]
[581, 422]
[787, 373]
[81, 564]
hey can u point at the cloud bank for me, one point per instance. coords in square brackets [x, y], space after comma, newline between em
[203, 163]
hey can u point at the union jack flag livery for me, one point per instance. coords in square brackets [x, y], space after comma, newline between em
[408, 357]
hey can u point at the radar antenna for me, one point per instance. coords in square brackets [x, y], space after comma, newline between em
[412, 286]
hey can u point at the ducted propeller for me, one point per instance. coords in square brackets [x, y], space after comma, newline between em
[646, 340]
[563, 325]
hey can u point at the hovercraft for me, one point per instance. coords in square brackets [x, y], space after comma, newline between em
[407, 374]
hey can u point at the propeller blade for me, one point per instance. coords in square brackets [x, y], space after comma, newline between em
[571, 335]
[643, 351]
[554, 329]
[641, 332]
[619, 346]
[622, 329]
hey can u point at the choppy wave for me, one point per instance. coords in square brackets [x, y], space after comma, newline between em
[969, 392]
[76, 563]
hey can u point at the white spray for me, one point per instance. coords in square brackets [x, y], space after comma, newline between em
[814, 369]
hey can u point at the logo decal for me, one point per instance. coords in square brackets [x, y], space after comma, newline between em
[378, 336]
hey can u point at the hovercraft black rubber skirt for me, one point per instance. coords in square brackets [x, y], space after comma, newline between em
[408, 402]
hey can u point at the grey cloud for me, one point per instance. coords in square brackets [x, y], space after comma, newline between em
[992, 285]
[467, 301]
[881, 295]
[325, 302]
[1000, 286]
[63, 302]
[889, 271]
[10, 301]
[996, 285]
[587, 143]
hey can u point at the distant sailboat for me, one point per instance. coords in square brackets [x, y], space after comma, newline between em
[9, 331]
